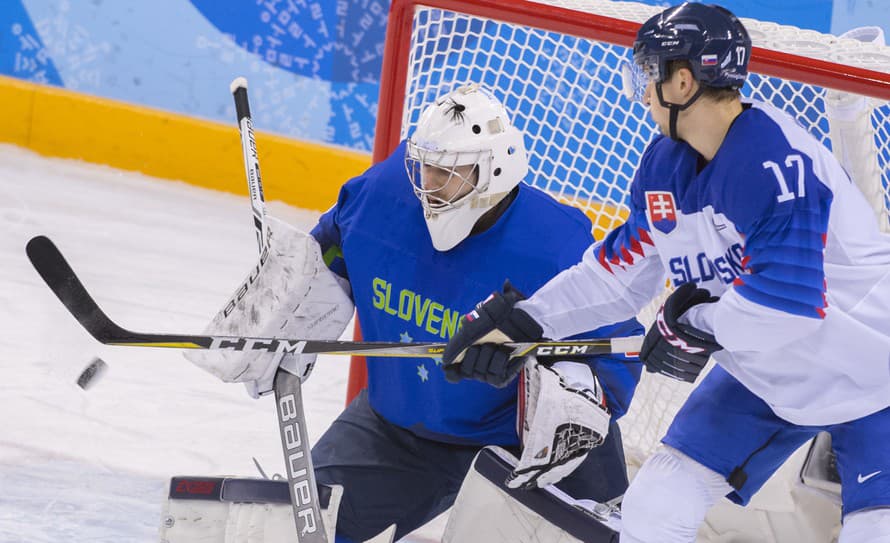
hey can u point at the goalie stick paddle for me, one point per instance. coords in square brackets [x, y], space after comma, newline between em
[287, 386]
[61, 279]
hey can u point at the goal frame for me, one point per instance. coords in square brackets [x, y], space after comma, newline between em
[394, 72]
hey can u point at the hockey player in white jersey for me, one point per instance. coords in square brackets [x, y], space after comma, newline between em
[781, 273]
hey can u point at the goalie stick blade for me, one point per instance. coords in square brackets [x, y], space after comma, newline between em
[61, 279]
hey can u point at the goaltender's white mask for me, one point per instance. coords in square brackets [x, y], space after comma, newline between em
[464, 158]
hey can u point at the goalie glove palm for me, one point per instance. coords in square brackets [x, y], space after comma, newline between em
[563, 415]
[474, 352]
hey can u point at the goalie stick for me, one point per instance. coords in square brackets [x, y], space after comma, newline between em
[286, 385]
[61, 279]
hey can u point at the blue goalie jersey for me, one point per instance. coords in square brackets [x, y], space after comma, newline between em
[405, 290]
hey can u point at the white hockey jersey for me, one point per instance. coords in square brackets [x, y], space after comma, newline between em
[772, 225]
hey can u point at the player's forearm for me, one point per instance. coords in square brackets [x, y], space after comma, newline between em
[586, 297]
[739, 324]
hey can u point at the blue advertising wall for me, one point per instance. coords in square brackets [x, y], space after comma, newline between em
[313, 65]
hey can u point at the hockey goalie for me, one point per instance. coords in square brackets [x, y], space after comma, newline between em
[406, 239]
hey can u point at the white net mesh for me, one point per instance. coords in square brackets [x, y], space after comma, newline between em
[585, 138]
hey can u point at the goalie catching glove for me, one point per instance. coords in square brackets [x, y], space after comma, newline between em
[474, 352]
[290, 294]
[674, 349]
[562, 415]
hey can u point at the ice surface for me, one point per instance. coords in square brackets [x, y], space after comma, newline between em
[158, 256]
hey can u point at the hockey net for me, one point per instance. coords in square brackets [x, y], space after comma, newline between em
[556, 66]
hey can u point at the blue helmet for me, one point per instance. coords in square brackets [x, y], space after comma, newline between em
[711, 38]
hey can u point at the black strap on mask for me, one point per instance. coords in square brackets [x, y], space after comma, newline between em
[675, 109]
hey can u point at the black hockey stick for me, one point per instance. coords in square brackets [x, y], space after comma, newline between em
[61, 279]
[286, 385]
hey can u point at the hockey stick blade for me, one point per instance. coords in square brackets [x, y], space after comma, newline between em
[61, 279]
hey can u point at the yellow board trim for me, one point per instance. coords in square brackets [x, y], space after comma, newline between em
[61, 123]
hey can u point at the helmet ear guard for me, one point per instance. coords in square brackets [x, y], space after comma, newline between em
[463, 132]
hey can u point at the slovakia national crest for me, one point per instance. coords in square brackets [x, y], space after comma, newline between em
[661, 210]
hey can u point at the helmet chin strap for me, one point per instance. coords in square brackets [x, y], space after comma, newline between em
[675, 109]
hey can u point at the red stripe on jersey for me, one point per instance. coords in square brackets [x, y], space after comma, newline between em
[635, 246]
[601, 257]
[626, 256]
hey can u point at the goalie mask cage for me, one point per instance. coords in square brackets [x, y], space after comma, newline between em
[556, 66]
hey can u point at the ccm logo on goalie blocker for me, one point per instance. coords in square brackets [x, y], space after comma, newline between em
[672, 338]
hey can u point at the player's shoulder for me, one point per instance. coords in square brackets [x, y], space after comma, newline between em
[551, 213]
[764, 167]
[388, 174]
[763, 132]
[660, 149]
[542, 230]
[385, 181]
[661, 158]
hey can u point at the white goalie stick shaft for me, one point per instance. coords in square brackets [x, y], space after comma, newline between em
[251, 161]
[287, 386]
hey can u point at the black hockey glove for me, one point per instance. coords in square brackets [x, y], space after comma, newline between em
[475, 351]
[677, 350]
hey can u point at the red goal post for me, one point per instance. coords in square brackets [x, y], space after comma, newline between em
[394, 73]
[554, 62]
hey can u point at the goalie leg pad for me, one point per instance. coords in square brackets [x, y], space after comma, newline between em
[668, 499]
[236, 510]
[487, 510]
